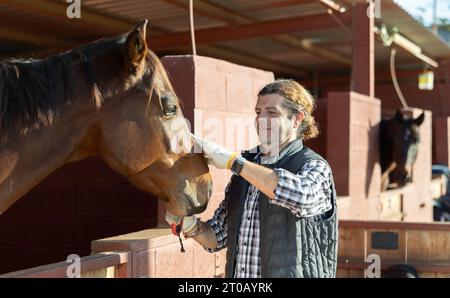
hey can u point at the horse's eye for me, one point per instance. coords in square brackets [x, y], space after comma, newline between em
[170, 110]
[168, 105]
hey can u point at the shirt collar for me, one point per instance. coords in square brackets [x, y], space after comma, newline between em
[264, 160]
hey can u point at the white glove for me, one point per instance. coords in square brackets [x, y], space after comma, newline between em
[216, 155]
[172, 219]
[189, 222]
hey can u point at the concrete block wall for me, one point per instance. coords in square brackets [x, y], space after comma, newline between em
[352, 151]
[156, 253]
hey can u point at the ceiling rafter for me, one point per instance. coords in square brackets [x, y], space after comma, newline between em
[30, 38]
[108, 22]
[233, 18]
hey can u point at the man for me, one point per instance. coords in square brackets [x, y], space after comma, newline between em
[278, 218]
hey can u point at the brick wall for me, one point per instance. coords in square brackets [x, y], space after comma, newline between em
[156, 253]
[352, 151]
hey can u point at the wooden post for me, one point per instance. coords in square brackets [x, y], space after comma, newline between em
[363, 49]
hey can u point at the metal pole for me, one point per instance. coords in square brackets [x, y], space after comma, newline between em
[192, 28]
[434, 26]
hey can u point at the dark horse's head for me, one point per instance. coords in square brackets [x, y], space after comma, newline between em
[111, 98]
[399, 146]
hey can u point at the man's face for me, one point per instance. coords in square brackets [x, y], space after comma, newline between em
[272, 123]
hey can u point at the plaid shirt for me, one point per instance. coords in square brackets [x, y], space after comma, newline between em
[307, 193]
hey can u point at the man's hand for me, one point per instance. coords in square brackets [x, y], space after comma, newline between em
[216, 155]
[189, 222]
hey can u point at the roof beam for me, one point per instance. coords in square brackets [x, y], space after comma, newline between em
[59, 10]
[111, 24]
[213, 11]
[30, 38]
[233, 18]
[252, 60]
[308, 46]
[214, 51]
[265, 5]
[333, 6]
[260, 29]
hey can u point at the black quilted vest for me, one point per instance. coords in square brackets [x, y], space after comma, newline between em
[289, 246]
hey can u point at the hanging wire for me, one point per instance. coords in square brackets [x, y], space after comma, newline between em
[395, 81]
[191, 22]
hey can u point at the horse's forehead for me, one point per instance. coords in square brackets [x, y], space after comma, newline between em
[410, 124]
[407, 124]
[408, 127]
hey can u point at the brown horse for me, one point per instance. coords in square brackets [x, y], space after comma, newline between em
[399, 146]
[111, 98]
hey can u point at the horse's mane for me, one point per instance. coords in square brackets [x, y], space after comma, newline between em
[33, 92]
[25, 96]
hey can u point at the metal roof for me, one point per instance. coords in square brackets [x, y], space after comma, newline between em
[394, 16]
[40, 27]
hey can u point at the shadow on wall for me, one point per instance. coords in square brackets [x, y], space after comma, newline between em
[373, 161]
[77, 204]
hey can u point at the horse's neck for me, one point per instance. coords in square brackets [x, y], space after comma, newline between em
[27, 160]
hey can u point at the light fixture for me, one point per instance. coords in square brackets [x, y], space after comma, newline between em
[426, 80]
[392, 36]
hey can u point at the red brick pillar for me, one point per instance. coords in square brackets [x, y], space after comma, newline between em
[441, 140]
[363, 49]
[352, 151]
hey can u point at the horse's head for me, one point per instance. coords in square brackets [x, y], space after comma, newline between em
[405, 135]
[141, 132]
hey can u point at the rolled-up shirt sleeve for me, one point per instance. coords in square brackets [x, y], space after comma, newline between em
[219, 224]
[307, 193]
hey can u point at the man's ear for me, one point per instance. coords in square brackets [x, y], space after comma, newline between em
[136, 46]
[298, 118]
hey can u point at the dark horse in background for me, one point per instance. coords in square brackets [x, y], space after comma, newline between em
[112, 99]
[399, 146]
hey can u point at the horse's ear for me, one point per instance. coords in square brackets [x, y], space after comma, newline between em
[399, 117]
[419, 120]
[136, 46]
